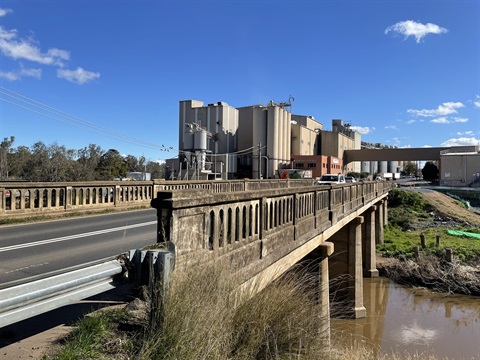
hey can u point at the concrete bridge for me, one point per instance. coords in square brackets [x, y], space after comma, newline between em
[264, 227]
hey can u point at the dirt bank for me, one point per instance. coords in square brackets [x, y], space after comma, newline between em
[448, 208]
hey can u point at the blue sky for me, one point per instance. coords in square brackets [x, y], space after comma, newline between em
[111, 72]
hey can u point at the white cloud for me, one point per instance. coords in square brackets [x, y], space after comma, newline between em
[79, 76]
[476, 102]
[410, 121]
[17, 75]
[25, 49]
[363, 130]
[4, 12]
[426, 146]
[416, 29]
[463, 141]
[442, 110]
[460, 120]
[392, 127]
[470, 133]
[441, 120]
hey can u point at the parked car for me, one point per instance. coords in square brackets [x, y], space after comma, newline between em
[350, 179]
[331, 179]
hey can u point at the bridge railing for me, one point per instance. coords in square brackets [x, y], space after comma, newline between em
[250, 224]
[19, 199]
[33, 198]
[26, 198]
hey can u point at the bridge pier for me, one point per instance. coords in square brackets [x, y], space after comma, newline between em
[325, 249]
[346, 269]
[355, 268]
[379, 221]
[369, 259]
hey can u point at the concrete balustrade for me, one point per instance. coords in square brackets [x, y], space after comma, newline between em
[27, 199]
[19, 199]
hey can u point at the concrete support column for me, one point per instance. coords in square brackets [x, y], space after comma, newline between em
[326, 249]
[379, 223]
[385, 212]
[355, 270]
[369, 239]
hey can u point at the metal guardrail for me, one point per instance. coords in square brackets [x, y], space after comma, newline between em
[26, 300]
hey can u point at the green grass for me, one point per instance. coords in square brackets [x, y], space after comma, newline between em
[399, 243]
[95, 337]
[401, 235]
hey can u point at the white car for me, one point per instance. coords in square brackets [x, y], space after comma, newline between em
[331, 179]
[350, 179]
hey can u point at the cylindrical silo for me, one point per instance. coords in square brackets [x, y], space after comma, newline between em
[188, 139]
[365, 166]
[200, 140]
[280, 135]
[392, 166]
[288, 136]
[382, 167]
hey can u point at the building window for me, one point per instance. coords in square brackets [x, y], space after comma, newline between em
[300, 165]
[312, 165]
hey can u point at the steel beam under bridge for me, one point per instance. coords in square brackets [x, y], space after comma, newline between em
[407, 154]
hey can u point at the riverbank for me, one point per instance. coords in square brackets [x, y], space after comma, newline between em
[419, 251]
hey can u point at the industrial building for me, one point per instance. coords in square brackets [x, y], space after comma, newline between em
[207, 141]
[218, 141]
[266, 131]
[460, 168]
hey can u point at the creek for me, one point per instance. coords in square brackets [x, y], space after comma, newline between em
[417, 321]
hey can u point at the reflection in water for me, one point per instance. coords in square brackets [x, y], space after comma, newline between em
[414, 334]
[417, 321]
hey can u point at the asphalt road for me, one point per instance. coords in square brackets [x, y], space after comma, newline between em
[31, 250]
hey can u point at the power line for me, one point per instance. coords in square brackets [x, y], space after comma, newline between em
[71, 120]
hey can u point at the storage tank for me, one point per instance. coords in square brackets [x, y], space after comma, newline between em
[365, 166]
[392, 166]
[188, 138]
[382, 167]
[200, 140]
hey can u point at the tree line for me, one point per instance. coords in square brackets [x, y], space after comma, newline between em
[56, 163]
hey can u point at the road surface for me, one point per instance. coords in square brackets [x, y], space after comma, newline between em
[30, 250]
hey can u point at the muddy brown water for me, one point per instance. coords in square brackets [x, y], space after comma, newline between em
[417, 321]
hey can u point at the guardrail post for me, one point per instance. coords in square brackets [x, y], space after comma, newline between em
[152, 266]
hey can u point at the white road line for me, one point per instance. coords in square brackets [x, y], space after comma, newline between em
[76, 236]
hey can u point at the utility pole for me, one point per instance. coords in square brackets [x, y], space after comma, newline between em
[259, 164]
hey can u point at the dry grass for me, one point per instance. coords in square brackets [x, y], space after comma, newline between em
[202, 317]
[431, 272]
